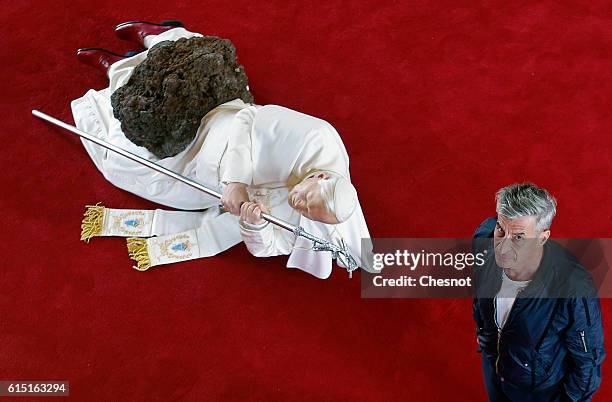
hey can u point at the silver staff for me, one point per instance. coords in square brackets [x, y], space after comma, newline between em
[340, 253]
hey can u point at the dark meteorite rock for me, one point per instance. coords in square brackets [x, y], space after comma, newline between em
[162, 104]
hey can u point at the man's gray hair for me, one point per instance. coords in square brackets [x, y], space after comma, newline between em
[526, 199]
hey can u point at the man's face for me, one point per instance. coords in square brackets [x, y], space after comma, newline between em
[518, 244]
[306, 198]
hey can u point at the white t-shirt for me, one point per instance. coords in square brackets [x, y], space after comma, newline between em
[505, 298]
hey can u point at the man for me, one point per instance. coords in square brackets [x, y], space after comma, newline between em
[537, 313]
[263, 158]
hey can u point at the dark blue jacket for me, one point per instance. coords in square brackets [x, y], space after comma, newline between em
[553, 336]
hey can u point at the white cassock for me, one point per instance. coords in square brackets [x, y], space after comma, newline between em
[270, 148]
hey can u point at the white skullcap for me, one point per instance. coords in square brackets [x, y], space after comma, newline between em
[340, 196]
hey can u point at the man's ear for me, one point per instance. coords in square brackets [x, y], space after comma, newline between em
[544, 236]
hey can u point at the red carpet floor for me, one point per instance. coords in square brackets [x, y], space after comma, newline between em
[439, 104]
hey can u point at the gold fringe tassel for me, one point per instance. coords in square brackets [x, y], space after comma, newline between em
[139, 252]
[92, 222]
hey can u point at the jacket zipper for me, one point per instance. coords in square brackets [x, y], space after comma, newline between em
[499, 328]
[583, 338]
[583, 342]
[497, 359]
[499, 331]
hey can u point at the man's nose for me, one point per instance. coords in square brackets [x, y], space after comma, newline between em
[505, 244]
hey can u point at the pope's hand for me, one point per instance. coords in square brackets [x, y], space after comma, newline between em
[250, 212]
[233, 196]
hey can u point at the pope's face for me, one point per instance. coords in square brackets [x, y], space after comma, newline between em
[305, 197]
[518, 243]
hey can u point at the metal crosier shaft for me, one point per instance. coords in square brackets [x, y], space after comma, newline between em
[152, 165]
[339, 252]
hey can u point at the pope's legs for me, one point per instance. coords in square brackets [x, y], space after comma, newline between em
[118, 67]
[120, 71]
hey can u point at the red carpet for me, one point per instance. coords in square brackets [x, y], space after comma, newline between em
[439, 105]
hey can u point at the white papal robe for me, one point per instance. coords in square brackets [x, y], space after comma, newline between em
[270, 148]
